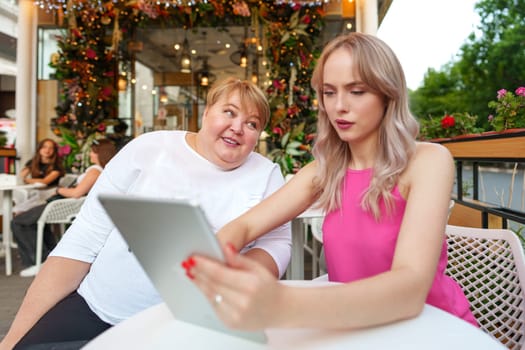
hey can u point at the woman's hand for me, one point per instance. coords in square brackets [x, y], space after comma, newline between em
[244, 294]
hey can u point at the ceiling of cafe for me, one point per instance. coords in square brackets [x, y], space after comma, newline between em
[217, 46]
[213, 45]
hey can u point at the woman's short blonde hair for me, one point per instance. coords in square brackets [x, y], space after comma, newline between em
[250, 95]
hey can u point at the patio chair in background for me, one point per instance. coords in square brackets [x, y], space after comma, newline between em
[317, 251]
[60, 211]
[489, 265]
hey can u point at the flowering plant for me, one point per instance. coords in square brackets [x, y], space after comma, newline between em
[99, 34]
[449, 125]
[75, 151]
[509, 108]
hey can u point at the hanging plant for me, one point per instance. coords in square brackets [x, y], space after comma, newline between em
[99, 33]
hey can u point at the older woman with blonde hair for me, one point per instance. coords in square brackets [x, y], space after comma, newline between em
[91, 280]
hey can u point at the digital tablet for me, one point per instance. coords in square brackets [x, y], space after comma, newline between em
[162, 233]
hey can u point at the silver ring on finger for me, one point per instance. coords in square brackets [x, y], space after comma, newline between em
[217, 299]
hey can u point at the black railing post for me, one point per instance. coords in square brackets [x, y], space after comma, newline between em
[459, 179]
[475, 180]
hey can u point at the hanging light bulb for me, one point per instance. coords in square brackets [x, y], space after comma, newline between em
[122, 82]
[255, 71]
[185, 58]
[163, 96]
[244, 58]
[205, 80]
[204, 75]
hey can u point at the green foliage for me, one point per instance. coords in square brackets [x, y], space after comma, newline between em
[3, 138]
[467, 187]
[439, 93]
[293, 49]
[99, 34]
[493, 58]
[449, 125]
[75, 151]
[292, 151]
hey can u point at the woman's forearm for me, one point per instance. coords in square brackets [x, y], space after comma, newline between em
[58, 278]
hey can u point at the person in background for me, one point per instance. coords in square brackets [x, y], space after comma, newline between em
[91, 280]
[45, 167]
[119, 135]
[24, 225]
[386, 200]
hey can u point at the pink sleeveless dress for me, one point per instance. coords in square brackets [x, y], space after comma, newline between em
[357, 247]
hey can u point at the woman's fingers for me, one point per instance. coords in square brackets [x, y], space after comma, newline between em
[236, 289]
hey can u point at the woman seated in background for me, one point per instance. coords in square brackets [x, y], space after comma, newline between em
[46, 169]
[24, 226]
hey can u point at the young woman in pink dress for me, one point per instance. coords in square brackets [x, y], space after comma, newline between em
[386, 197]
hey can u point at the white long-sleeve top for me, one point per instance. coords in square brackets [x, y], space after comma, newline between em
[162, 165]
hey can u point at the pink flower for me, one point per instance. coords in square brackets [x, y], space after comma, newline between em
[149, 8]
[278, 85]
[306, 19]
[277, 130]
[76, 33]
[448, 121]
[490, 117]
[520, 91]
[309, 137]
[240, 8]
[64, 150]
[101, 127]
[106, 92]
[501, 93]
[292, 111]
[91, 54]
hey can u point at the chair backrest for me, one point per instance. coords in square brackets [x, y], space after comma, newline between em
[61, 210]
[489, 265]
[67, 180]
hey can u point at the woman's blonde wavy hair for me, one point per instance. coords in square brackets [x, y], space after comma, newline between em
[379, 68]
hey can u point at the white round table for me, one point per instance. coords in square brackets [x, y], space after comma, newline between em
[155, 328]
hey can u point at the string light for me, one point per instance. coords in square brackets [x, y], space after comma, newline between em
[55, 5]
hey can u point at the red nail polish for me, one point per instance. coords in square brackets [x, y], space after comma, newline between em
[231, 247]
[191, 261]
[185, 265]
[189, 274]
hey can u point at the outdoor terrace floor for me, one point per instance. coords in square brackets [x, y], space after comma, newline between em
[12, 290]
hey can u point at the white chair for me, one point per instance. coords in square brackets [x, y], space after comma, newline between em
[489, 265]
[318, 260]
[60, 211]
[67, 180]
